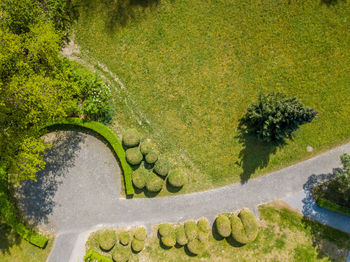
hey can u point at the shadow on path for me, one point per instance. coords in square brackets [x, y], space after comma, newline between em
[37, 198]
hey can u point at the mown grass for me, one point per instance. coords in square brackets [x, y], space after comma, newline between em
[284, 236]
[191, 68]
[15, 249]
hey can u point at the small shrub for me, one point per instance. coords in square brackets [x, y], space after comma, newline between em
[238, 232]
[169, 240]
[190, 230]
[202, 236]
[203, 225]
[223, 225]
[176, 178]
[154, 183]
[107, 239]
[131, 138]
[146, 147]
[151, 157]
[140, 234]
[250, 224]
[124, 238]
[165, 229]
[137, 245]
[121, 254]
[181, 238]
[162, 167]
[139, 177]
[134, 156]
[196, 247]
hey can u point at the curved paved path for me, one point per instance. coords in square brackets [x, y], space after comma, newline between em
[78, 192]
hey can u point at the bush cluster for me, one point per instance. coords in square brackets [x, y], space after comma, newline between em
[124, 238]
[134, 156]
[167, 235]
[176, 178]
[154, 183]
[107, 239]
[121, 254]
[131, 138]
[139, 177]
[138, 243]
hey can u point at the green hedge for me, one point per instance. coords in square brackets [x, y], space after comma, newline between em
[7, 211]
[93, 256]
[325, 203]
[111, 138]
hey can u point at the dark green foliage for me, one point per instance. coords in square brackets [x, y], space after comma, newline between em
[223, 225]
[107, 239]
[154, 183]
[93, 256]
[203, 225]
[325, 203]
[151, 157]
[196, 247]
[343, 178]
[124, 238]
[165, 229]
[140, 234]
[131, 138]
[177, 178]
[274, 116]
[137, 245]
[121, 254]
[181, 238]
[134, 156]
[146, 147]
[139, 177]
[162, 167]
[191, 230]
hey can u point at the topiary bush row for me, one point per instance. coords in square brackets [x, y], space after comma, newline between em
[243, 228]
[142, 178]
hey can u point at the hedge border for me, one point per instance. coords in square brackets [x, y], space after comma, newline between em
[92, 255]
[325, 203]
[109, 136]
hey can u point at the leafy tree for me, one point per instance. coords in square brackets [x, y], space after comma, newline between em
[275, 116]
[343, 177]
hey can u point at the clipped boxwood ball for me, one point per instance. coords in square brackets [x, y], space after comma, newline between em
[203, 225]
[131, 138]
[162, 167]
[124, 238]
[165, 230]
[146, 147]
[139, 177]
[196, 247]
[121, 254]
[191, 230]
[169, 240]
[202, 236]
[251, 226]
[137, 245]
[181, 238]
[151, 157]
[107, 239]
[176, 178]
[154, 183]
[134, 156]
[223, 225]
[140, 234]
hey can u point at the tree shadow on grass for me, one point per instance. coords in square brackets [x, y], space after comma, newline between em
[8, 238]
[36, 198]
[255, 153]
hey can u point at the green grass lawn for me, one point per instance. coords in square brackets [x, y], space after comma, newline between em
[14, 249]
[192, 67]
[284, 236]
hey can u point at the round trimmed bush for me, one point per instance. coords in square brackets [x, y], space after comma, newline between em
[202, 236]
[162, 167]
[151, 157]
[134, 156]
[196, 247]
[203, 225]
[165, 230]
[140, 234]
[223, 225]
[251, 226]
[181, 238]
[137, 245]
[146, 146]
[176, 178]
[121, 254]
[107, 239]
[124, 238]
[190, 230]
[139, 177]
[237, 229]
[131, 138]
[169, 240]
[154, 183]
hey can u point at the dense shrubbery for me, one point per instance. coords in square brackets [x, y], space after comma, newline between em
[191, 230]
[131, 138]
[181, 238]
[151, 157]
[176, 178]
[274, 116]
[139, 177]
[162, 167]
[140, 234]
[134, 156]
[107, 239]
[146, 147]
[121, 254]
[167, 235]
[203, 225]
[93, 256]
[196, 247]
[223, 225]
[124, 238]
[154, 183]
